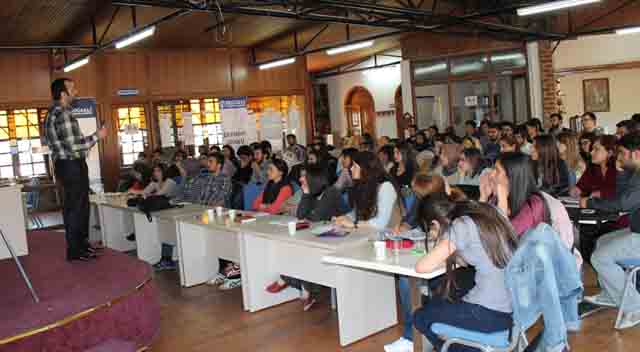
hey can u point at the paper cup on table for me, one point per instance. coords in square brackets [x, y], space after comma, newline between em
[210, 213]
[232, 214]
[292, 227]
[219, 211]
[380, 249]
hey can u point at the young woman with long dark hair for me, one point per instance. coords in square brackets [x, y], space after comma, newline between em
[277, 191]
[569, 150]
[599, 180]
[231, 163]
[386, 156]
[160, 185]
[483, 238]
[404, 168]
[512, 186]
[551, 171]
[374, 197]
[470, 166]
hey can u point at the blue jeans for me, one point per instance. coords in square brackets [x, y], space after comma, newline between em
[461, 315]
[405, 306]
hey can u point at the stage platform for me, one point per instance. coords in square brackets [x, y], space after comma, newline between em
[83, 305]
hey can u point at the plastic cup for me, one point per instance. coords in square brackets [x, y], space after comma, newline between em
[292, 227]
[219, 211]
[380, 249]
[210, 213]
[232, 215]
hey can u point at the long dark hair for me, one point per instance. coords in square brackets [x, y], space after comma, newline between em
[496, 234]
[474, 157]
[363, 194]
[522, 181]
[163, 168]
[548, 163]
[317, 180]
[387, 151]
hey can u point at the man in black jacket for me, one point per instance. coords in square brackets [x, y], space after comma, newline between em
[621, 244]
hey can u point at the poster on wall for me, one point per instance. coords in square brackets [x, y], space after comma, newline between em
[86, 112]
[235, 121]
[271, 128]
[322, 121]
[188, 136]
[166, 131]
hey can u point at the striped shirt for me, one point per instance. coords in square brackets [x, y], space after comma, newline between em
[63, 135]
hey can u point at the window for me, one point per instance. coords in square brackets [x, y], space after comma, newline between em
[20, 143]
[132, 130]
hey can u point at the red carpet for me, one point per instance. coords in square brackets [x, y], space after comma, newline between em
[116, 285]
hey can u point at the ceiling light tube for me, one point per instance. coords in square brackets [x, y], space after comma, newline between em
[553, 6]
[136, 37]
[78, 63]
[350, 47]
[278, 63]
[430, 69]
[629, 30]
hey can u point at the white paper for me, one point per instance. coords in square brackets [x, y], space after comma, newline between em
[166, 131]
[235, 120]
[271, 128]
[187, 129]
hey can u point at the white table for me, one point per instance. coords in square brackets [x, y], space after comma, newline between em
[117, 221]
[403, 263]
[12, 221]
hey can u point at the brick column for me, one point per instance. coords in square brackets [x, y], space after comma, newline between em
[549, 87]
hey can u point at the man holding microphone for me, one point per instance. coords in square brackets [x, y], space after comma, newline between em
[69, 148]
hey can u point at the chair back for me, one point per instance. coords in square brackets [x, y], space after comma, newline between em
[33, 197]
[251, 191]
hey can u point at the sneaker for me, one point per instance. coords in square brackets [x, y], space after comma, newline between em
[230, 284]
[308, 303]
[400, 345]
[217, 281]
[628, 320]
[601, 299]
[165, 265]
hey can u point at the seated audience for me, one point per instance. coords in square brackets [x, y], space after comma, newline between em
[509, 144]
[448, 160]
[217, 190]
[621, 244]
[161, 185]
[471, 142]
[623, 128]
[374, 197]
[425, 161]
[298, 150]
[512, 186]
[343, 169]
[534, 129]
[277, 190]
[522, 138]
[492, 148]
[470, 166]
[470, 129]
[421, 142]
[177, 171]
[260, 164]
[320, 201]
[507, 129]
[245, 170]
[384, 140]
[586, 144]
[556, 125]
[590, 123]
[552, 173]
[599, 180]
[386, 157]
[231, 163]
[479, 235]
[403, 169]
[570, 152]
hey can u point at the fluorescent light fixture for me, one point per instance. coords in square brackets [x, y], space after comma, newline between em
[629, 30]
[72, 66]
[350, 47]
[553, 6]
[430, 69]
[278, 63]
[507, 57]
[136, 37]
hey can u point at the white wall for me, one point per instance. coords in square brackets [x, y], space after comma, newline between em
[382, 83]
[601, 50]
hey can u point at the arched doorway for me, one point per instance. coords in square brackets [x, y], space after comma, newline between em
[360, 111]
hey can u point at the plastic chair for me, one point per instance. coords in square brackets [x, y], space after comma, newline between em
[631, 267]
[501, 341]
[33, 203]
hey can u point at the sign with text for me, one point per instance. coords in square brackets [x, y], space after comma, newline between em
[235, 121]
[86, 112]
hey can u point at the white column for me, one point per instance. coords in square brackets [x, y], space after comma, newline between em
[535, 80]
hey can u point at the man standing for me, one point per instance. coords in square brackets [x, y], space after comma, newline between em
[492, 148]
[69, 148]
[556, 124]
[590, 124]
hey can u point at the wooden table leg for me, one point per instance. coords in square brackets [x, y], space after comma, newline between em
[416, 302]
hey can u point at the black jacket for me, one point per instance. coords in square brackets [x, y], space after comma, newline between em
[329, 205]
[627, 198]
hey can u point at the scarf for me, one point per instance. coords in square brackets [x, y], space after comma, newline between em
[272, 190]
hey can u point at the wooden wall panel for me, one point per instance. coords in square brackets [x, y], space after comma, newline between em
[431, 45]
[126, 70]
[27, 78]
[85, 78]
[184, 73]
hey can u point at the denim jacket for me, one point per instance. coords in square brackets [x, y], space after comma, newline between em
[543, 278]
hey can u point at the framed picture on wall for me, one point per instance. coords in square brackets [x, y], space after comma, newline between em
[596, 94]
[321, 110]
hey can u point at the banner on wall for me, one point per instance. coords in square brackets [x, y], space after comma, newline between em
[188, 136]
[235, 121]
[86, 112]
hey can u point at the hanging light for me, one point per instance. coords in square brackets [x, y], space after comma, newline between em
[630, 30]
[350, 47]
[136, 37]
[278, 63]
[553, 6]
[78, 63]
